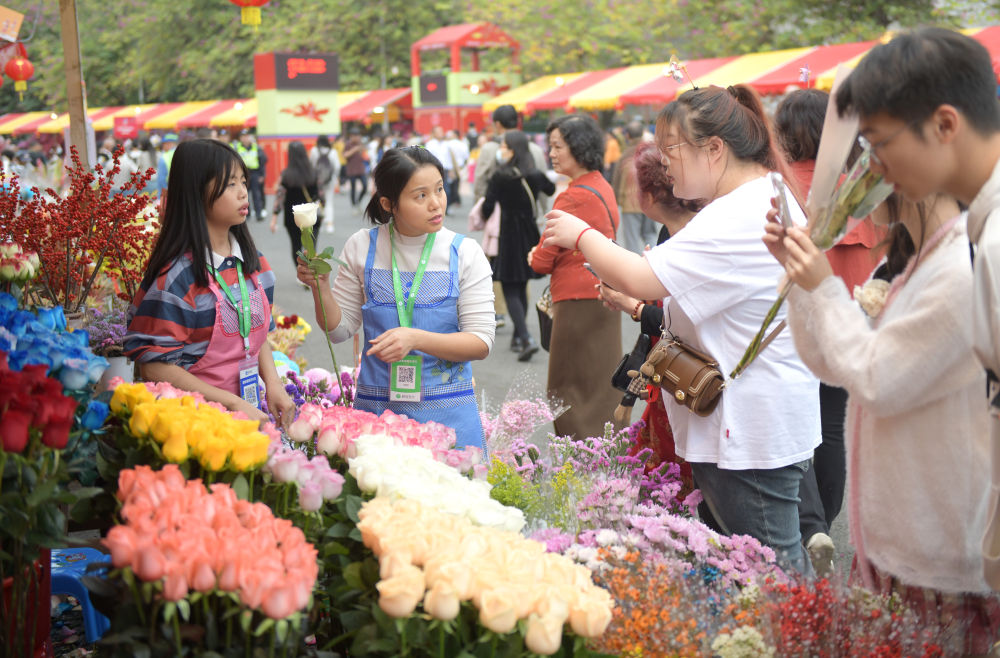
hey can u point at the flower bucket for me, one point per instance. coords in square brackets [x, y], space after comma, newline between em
[37, 609]
[120, 367]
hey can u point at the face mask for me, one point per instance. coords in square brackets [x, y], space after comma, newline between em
[500, 157]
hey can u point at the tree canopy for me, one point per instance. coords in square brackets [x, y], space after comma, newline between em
[176, 50]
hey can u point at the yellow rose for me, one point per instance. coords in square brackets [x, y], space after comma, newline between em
[175, 450]
[399, 595]
[189, 401]
[544, 634]
[250, 453]
[128, 396]
[142, 418]
[170, 425]
[591, 614]
[497, 609]
[212, 454]
[441, 602]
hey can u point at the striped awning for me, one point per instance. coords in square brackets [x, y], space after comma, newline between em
[107, 122]
[61, 122]
[519, 96]
[746, 68]
[664, 88]
[558, 97]
[168, 120]
[243, 114]
[370, 102]
[30, 127]
[203, 117]
[9, 122]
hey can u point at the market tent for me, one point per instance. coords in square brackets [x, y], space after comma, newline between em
[9, 122]
[107, 122]
[370, 103]
[519, 96]
[202, 117]
[663, 88]
[61, 122]
[168, 120]
[476, 36]
[30, 127]
[989, 37]
[243, 113]
[605, 94]
[744, 68]
[558, 97]
[816, 60]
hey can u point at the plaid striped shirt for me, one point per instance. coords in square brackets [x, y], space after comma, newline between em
[172, 320]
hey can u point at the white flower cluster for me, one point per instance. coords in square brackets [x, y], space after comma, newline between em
[744, 642]
[872, 296]
[410, 472]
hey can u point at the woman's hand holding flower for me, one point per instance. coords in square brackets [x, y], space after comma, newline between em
[281, 405]
[562, 229]
[309, 277]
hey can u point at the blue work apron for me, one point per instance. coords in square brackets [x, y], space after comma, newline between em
[448, 395]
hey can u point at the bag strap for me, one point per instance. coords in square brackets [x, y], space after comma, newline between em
[306, 193]
[614, 228]
[527, 188]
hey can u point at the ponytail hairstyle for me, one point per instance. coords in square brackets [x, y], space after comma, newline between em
[734, 115]
[199, 173]
[391, 175]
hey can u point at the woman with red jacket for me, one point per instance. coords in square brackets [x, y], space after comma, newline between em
[586, 337]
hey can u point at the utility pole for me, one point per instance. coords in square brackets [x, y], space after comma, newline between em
[74, 81]
[381, 46]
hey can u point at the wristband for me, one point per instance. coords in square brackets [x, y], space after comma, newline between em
[577, 246]
[635, 312]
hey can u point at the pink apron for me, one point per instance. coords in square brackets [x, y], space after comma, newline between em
[220, 366]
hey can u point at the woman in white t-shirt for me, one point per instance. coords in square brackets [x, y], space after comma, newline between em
[718, 281]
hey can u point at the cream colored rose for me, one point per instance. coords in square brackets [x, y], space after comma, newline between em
[305, 214]
[497, 610]
[393, 564]
[590, 616]
[441, 601]
[455, 574]
[872, 296]
[399, 595]
[544, 634]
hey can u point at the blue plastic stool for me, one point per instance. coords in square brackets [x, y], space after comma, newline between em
[69, 565]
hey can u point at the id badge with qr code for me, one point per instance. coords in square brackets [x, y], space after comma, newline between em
[404, 380]
[249, 389]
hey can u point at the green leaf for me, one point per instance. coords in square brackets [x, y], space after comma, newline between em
[40, 493]
[241, 487]
[281, 630]
[353, 506]
[185, 609]
[352, 576]
[169, 610]
[246, 618]
[320, 266]
[326, 253]
[264, 627]
[338, 530]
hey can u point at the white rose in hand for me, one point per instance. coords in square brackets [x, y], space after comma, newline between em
[305, 214]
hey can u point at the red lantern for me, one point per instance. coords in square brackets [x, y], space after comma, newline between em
[20, 70]
[250, 12]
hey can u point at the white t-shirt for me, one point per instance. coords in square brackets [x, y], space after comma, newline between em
[476, 314]
[722, 280]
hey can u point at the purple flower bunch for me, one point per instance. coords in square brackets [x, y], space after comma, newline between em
[318, 386]
[107, 331]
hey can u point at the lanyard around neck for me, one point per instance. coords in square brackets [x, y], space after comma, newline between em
[404, 304]
[242, 310]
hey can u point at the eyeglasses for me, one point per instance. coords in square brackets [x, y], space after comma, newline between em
[882, 143]
[669, 150]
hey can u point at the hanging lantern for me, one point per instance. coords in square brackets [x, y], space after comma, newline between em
[20, 70]
[250, 12]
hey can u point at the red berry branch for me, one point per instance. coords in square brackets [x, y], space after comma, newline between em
[92, 228]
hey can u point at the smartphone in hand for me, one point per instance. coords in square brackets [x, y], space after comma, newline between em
[591, 270]
[780, 192]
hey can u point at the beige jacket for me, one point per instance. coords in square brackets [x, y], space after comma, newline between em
[984, 232]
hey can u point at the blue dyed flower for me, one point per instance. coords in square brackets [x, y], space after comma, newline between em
[52, 318]
[96, 366]
[8, 341]
[74, 374]
[19, 321]
[78, 337]
[7, 301]
[96, 414]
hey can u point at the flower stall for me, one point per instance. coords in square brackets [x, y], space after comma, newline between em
[361, 534]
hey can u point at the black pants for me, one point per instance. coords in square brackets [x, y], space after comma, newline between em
[295, 234]
[256, 185]
[516, 296]
[359, 180]
[821, 493]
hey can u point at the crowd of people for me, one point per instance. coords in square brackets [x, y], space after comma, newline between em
[896, 405]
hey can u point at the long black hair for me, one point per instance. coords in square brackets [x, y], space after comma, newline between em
[517, 142]
[391, 175]
[299, 172]
[199, 173]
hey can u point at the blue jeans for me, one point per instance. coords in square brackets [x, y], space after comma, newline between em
[762, 503]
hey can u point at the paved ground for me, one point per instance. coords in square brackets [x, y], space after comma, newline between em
[495, 376]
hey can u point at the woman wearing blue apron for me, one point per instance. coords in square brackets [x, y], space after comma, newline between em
[423, 294]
